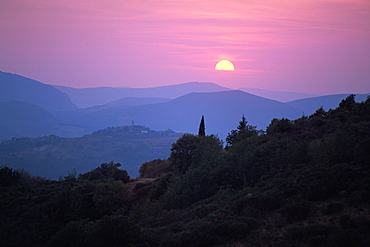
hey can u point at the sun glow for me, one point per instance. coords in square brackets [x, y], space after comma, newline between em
[225, 65]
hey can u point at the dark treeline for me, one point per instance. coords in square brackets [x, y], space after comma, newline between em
[302, 182]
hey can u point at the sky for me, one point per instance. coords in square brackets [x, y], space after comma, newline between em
[308, 46]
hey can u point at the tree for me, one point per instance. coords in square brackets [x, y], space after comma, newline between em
[242, 124]
[202, 128]
[348, 102]
[8, 176]
[106, 171]
[279, 126]
[182, 151]
[243, 131]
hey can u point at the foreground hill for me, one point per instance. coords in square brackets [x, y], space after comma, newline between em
[18, 88]
[305, 182]
[53, 156]
[88, 97]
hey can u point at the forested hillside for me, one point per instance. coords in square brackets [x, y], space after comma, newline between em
[53, 156]
[302, 182]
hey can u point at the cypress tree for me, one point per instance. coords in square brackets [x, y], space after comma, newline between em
[202, 128]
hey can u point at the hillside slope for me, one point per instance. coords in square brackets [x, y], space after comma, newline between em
[53, 156]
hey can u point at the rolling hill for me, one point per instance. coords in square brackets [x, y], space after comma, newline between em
[53, 156]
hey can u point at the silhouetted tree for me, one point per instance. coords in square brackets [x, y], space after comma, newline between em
[202, 128]
[348, 102]
[8, 176]
[244, 130]
[106, 171]
[278, 126]
[182, 151]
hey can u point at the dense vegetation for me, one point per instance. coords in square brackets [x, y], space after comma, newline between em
[302, 182]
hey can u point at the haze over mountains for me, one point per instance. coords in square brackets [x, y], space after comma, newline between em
[23, 119]
[310, 105]
[88, 97]
[278, 95]
[18, 88]
[31, 108]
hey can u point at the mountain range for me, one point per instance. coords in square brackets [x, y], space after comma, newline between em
[31, 108]
[310, 105]
[281, 96]
[88, 97]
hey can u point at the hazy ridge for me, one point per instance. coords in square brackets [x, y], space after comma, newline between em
[18, 88]
[281, 96]
[178, 107]
[88, 97]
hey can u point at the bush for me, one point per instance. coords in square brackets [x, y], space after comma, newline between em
[345, 221]
[296, 211]
[8, 176]
[334, 208]
[154, 168]
[347, 238]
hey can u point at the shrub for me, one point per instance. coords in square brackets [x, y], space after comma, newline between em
[334, 208]
[296, 211]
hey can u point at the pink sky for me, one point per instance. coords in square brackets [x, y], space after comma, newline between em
[311, 46]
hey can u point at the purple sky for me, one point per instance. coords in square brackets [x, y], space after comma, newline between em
[310, 46]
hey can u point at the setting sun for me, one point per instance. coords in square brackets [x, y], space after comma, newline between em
[224, 65]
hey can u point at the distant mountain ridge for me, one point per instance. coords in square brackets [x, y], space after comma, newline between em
[222, 111]
[88, 97]
[18, 88]
[134, 101]
[222, 108]
[310, 105]
[281, 96]
[20, 119]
